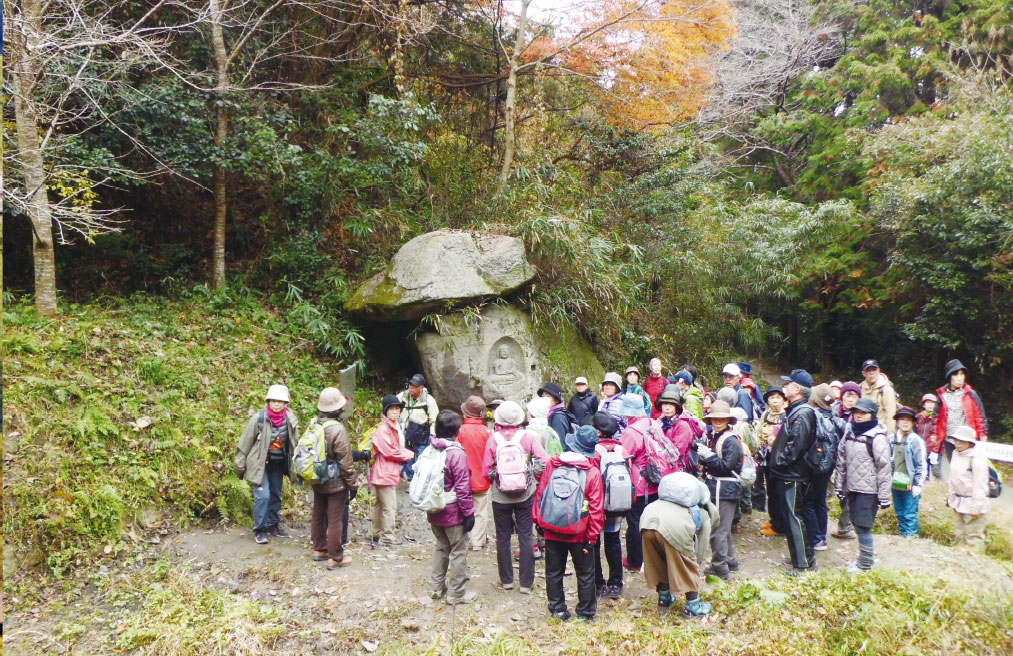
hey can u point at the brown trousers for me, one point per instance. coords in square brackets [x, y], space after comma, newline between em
[663, 563]
[325, 529]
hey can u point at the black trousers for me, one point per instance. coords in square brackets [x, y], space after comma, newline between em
[791, 497]
[509, 517]
[759, 489]
[774, 505]
[634, 548]
[613, 556]
[583, 565]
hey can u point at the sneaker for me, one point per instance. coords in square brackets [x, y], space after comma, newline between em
[335, 564]
[524, 590]
[767, 525]
[599, 590]
[562, 615]
[260, 537]
[539, 553]
[697, 608]
[614, 592]
[585, 618]
[396, 542]
[319, 556]
[853, 568]
[821, 545]
[769, 531]
[733, 567]
[468, 597]
[843, 535]
[278, 532]
[665, 599]
[796, 572]
[628, 567]
[508, 586]
[438, 594]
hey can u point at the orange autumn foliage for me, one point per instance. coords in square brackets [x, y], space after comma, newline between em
[645, 59]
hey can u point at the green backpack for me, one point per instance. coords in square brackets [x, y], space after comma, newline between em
[549, 439]
[310, 458]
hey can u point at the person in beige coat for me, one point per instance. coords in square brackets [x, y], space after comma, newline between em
[968, 488]
[263, 458]
[331, 496]
[878, 387]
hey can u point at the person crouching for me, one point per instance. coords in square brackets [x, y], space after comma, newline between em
[675, 532]
[570, 507]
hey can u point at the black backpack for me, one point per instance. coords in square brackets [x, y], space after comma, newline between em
[822, 455]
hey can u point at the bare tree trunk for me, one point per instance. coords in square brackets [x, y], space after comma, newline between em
[221, 134]
[30, 152]
[510, 106]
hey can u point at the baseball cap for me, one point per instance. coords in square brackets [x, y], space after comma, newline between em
[580, 380]
[731, 369]
[800, 376]
[870, 364]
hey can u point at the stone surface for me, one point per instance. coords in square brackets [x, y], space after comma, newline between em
[500, 354]
[443, 268]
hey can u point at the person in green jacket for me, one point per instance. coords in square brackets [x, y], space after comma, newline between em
[692, 396]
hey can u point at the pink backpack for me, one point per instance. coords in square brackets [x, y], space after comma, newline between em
[511, 464]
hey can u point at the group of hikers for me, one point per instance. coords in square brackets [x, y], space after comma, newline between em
[679, 464]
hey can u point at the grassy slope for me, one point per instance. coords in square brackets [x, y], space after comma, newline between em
[80, 475]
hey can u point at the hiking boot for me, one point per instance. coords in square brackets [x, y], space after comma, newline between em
[260, 537]
[733, 567]
[335, 564]
[796, 572]
[697, 608]
[769, 531]
[278, 532]
[438, 594]
[562, 615]
[665, 599]
[585, 618]
[468, 597]
[319, 556]
[712, 571]
[614, 592]
[821, 545]
[843, 535]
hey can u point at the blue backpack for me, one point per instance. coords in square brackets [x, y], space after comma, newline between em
[562, 506]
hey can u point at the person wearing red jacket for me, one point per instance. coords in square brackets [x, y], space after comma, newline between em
[959, 406]
[925, 426]
[579, 545]
[655, 385]
[474, 437]
[389, 452]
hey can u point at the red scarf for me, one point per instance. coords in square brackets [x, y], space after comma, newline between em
[277, 418]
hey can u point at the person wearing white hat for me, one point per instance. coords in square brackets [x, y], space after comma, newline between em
[583, 404]
[968, 488]
[732, 375]
[263, 458]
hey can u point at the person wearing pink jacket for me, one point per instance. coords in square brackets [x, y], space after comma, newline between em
[386, 472]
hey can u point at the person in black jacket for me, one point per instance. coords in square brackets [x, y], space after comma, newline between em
[583, 404]
[790, 474]
[560, 419]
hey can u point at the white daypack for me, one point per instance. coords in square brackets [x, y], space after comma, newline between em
[748, 474]
[617, 480]
[426, 489]
[511, 464]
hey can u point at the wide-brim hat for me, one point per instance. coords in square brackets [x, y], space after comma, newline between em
[509, 413]
[583, 441]
[774, 389]
[962, 434]
[865, 404]
[539, 407]
[670, 395]
[745, 368]
[633, 369]
[952, 367]
[580, 380]
[331, 400]
[720, 410]
[473, 406]
[613, 377]
[278, 393]
[905, 411]
[552, 388]
[633, 406]
[391, 400]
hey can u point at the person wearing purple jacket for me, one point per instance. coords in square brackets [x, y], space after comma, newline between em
[452, 525]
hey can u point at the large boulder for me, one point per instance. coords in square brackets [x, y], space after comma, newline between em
[440, 269]
[500, 354]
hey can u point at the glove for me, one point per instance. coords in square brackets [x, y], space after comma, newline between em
[240, 472]
[916, 491]
[468, 523]
[352, 493]
[884, 505]
[933, 458]
[704, 451]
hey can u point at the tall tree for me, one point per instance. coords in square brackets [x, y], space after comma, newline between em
[66, 63]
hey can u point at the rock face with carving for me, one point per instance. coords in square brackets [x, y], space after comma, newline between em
[500, 354]
[443, 268]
